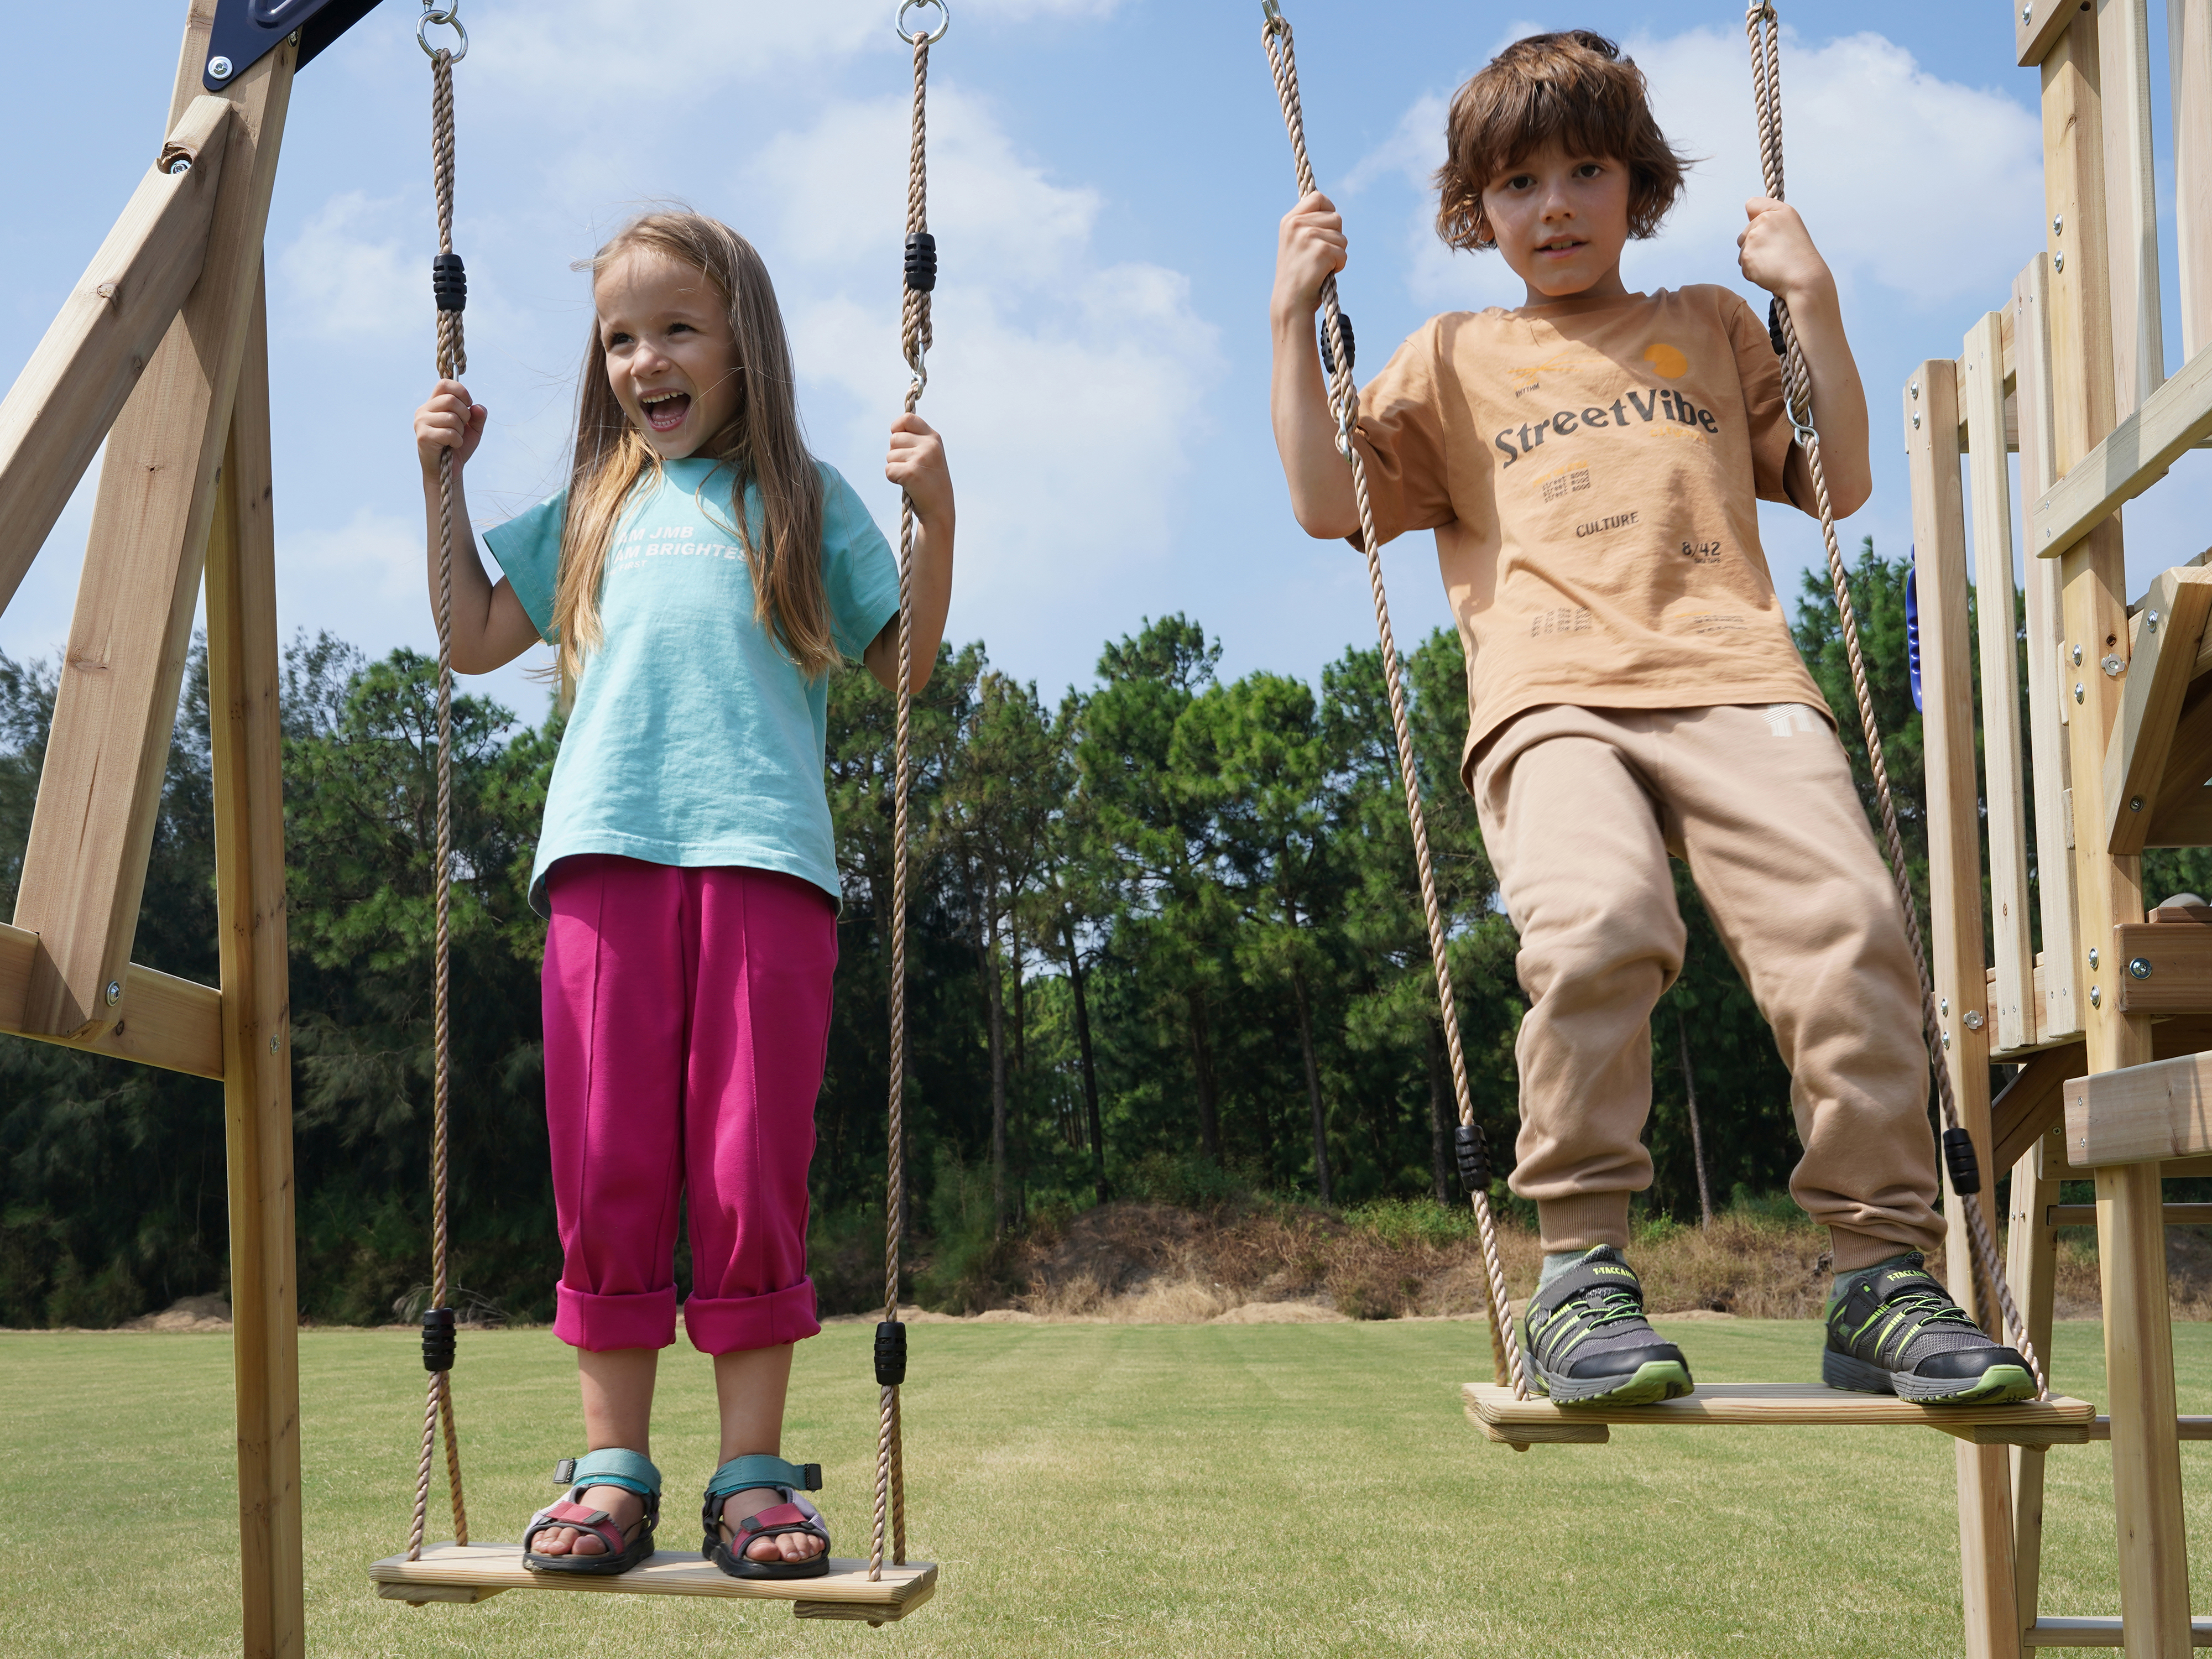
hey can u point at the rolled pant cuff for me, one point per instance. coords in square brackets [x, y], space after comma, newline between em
[1582, 1221]
[735, 1324]
[599, 1323]
[1853, 1250]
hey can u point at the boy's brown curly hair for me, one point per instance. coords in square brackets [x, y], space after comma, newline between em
[1575, 86]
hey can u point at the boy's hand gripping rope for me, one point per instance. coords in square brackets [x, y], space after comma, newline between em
[916, 339]
[1763, 27]
[1344, 400]
[449, 283]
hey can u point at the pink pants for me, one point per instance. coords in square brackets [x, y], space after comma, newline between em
[687, 1017]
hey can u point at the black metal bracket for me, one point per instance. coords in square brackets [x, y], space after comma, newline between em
[247, 31]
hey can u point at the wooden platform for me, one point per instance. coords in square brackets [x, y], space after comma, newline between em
[1537, 1421]
[451, 1572]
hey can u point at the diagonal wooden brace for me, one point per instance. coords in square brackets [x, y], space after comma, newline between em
[84, 869]
[2157, 681]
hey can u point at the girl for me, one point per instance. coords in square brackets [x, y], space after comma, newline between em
[701, 576]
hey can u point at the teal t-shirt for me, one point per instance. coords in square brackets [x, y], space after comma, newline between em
[695, 740]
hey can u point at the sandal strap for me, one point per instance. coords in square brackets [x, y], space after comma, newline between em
[758, 1469]
[796, 1515]
[632, 1470]
[598, 1522]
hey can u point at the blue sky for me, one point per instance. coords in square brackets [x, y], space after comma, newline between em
[1107, 177]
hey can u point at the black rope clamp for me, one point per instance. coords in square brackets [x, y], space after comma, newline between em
[1965, 1168]
[1473, 1156]
[890, 1354]
[449, 280]
[437, 1338]
[1774, 328]
[1328, 353]
[921, 263]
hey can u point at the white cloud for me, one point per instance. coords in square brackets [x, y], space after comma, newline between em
[351, 273]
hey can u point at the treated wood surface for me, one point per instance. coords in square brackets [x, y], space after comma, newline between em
[2180, 957]
[2058, 1011]
[2152, 695]
[2181, 809]
[2098, 1633]
[2032, 1103]
[670, 1572]
[84, 868]
[2131, 460]
[1774, 1404]
[2140, 1113]
[1982, 399]
[2085, 1215]
[2035, 33]
[2031, 1270]
[2188, 62]
[161, 1021]
[2130, 204]
[56, 415]
[244, 671]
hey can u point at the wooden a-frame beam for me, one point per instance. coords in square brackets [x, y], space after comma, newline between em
[2156, 682]
[92, 828]
[171, 1023]
[62, 405]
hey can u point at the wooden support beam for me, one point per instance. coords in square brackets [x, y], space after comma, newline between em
[2140, 1113]
[245, 668]
[2175, 1215]
[2130, 204]
[2184, 806]
[2166, 968]
[173, 1024]
[92, 828]
[2131, 460]
[2058, 1010]
[1982, 399]
[2188, 62]
[2033, 1103]
[56, 415]
[2031, 1270]
[2097, 1634]
[2151, 696]
[2036, 27]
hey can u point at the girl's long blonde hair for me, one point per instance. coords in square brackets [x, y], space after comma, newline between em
[761, 446]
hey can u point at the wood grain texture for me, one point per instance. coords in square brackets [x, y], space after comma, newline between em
[173, 1024]
[84, 868]
[2130, 204]
[2085, 1215]
[2151, 697]
[2189, 64]
[2134, 456]
[2160, 1109]
[1982, 399]
[56, 414]
[1772, 1405]
[2031, 1271]
[2058, 1009]
[2097, 1634]
[2032, 1104]
[670, 1572]
[2177, 957]
[244, 671]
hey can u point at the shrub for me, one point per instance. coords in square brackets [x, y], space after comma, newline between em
[1398, 1222]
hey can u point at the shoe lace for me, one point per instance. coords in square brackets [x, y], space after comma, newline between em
[1610, 1304]
[1909, 1312]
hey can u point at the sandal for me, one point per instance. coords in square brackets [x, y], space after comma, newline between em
[726, 1541]
[630, 1471]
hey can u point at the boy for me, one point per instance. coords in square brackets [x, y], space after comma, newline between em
[1590, 463]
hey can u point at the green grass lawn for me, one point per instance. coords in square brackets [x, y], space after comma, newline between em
[1189, 1490]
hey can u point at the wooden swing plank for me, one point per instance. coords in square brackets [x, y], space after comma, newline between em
[1784, 1405]
[92, 828]
[161, 1021]
[844, 1592]
[54, 418]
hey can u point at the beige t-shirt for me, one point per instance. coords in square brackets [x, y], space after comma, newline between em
[1591, 478]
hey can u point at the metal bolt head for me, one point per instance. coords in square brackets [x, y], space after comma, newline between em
[219, 69]
[2139, 967]
[2092, 956]
[114, 992]
[2096, 996]
[2150, 620]
[2059, 260]
[2114, 665]
[2135, 803]
[1973, 1019]
[2027, 15]
[2077, 690]
[275, 1043]
[1915, 388]
[1943, 1004]
[1947, 1039]
[2058, 224]
[182, 165]
[1916, 420]
[2077, 656]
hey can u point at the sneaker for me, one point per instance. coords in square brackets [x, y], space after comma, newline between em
[1588, 1343]
[1896, 1330]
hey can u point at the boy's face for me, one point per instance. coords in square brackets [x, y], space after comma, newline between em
[1561, 221]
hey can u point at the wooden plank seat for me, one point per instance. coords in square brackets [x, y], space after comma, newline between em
[2050, 1632]
[1537, 1421]
[475, 1572]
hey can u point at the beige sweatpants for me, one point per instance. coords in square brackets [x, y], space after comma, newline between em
[1580, 808]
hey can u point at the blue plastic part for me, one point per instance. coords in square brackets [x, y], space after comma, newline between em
[631, 1471]
[1912, 627]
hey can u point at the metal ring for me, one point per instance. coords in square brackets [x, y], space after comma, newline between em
[930, 37]
[452, 22]
[919, 361]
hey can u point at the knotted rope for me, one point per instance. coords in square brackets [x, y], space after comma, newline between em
[916, 339]
[1764, 29]
[1344, 401]
[452, 363]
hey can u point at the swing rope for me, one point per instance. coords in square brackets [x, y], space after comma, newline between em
[1344, 402]
[916, 339]
[1763, 29]
[450, 285]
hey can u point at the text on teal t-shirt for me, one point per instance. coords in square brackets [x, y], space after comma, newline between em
[695, 740]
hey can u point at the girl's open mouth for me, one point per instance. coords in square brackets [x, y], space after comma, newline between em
[665, 411]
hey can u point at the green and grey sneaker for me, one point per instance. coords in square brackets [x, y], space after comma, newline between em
[1894, 1329]
[1588, 1343]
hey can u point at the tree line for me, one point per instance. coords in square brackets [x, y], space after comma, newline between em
[1165, 941]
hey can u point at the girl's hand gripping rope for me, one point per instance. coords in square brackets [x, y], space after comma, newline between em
[448, 421]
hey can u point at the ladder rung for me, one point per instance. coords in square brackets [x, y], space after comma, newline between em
[2085, 1215]
[2097, 1634]
[2189, 1428]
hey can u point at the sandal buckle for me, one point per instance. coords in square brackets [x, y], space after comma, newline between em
[564, 1472]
